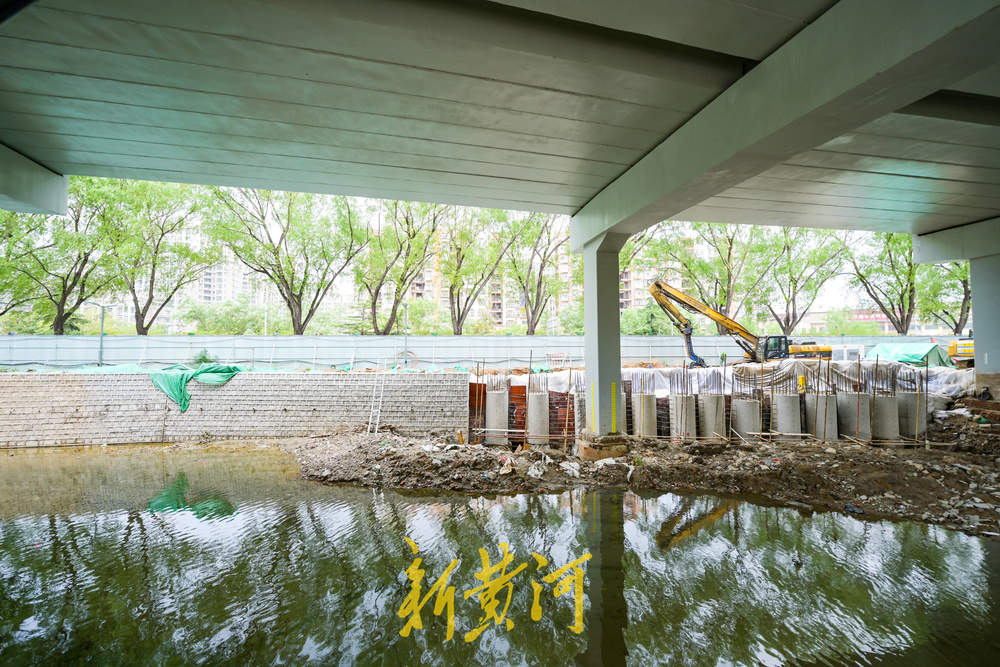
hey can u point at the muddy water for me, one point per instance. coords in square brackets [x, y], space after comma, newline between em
[123, 556]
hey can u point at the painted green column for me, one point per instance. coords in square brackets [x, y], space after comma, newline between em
[978, 242]
[602, 334]
[985, 274]
[28, 187]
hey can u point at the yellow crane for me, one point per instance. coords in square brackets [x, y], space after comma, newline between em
[755, 348]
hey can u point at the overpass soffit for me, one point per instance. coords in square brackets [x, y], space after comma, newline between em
[473, 103]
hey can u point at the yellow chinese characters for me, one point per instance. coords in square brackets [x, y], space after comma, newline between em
[414, 603]
[487, 592]
[494, 593]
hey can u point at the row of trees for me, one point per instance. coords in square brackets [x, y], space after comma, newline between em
[772, 276]
[146, 241]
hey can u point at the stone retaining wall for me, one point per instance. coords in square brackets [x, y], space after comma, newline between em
[39, 409]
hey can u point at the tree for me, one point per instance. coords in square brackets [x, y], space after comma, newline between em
[152, 259]
[884, 267]
[396, 255]
[649, 320]
[633, 249]
[944, 293]
[531, 262]
[804, 260]
[68, 258]
[571, 318]
[234, 318]
[16, 289]
[839, 323]
[724, 266]
[426, 316]
[300, 242]
[474, 243]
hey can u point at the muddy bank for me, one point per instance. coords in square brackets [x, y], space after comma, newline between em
[957, 489]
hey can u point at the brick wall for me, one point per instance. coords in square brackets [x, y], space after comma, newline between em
[66, 408]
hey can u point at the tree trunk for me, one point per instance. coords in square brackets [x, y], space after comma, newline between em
[963, 316]
[59, 321]
[141, 328]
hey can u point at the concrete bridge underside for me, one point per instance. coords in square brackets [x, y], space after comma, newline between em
[852, 115]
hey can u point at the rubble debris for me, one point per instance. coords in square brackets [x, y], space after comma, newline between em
[956, 488]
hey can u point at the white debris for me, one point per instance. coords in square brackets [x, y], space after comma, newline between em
[430, 448]
[571, 468]
[614, 461]
[944, 414]
[536, 470]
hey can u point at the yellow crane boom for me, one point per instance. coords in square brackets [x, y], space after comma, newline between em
[665, 295]
[755, 347]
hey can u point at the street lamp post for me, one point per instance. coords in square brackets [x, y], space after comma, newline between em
[100, 340]
[406, 333]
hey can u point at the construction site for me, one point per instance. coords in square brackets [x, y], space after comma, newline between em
[740, 497]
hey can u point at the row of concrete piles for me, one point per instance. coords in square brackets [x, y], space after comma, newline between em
[863, 407]
[498, 416]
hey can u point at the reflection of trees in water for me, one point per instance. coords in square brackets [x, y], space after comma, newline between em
[275, 582]
[764, 584]
[322, 576]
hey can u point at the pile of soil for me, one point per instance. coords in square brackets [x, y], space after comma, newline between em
[957, 488]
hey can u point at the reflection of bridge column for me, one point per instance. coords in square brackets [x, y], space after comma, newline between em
[606, 619]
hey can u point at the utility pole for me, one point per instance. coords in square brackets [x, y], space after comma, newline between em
[406, 333]
[100, 339]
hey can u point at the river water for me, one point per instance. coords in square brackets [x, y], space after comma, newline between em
[140, 556]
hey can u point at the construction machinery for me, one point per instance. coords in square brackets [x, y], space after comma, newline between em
[755, 348]
[963, 351]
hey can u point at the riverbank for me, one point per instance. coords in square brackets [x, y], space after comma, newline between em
[954, 488]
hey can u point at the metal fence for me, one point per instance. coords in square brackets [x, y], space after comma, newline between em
[368, 351]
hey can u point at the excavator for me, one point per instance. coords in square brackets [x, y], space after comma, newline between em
[755, 348]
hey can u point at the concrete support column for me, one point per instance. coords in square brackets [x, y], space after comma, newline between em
[602, 342]
[978, 242]
[985, 273]
[28, 187]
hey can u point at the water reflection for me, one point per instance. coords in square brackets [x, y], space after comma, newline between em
[203, 504]
[711, 581]
[133, 560]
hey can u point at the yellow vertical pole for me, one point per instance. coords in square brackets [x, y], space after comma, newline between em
[614, 412]
[592, 409]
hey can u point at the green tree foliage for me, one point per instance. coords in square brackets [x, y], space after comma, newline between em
[234, 318]
[151, 258]
[884, 268]
[803, 260]
[17, 290]
[531, 263]
[724, 266]
[473, 244]
[634, 249]
[944, 294]
[427, 316]
[396, 255]
[571, 318]
[68, 259]
[649, 320]
[299, 242]
[839, 323]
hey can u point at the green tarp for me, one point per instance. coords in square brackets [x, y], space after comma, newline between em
[173, 380]
[917, 354]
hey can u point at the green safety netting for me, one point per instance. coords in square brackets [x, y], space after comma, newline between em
[917, 354]
[173, 380]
